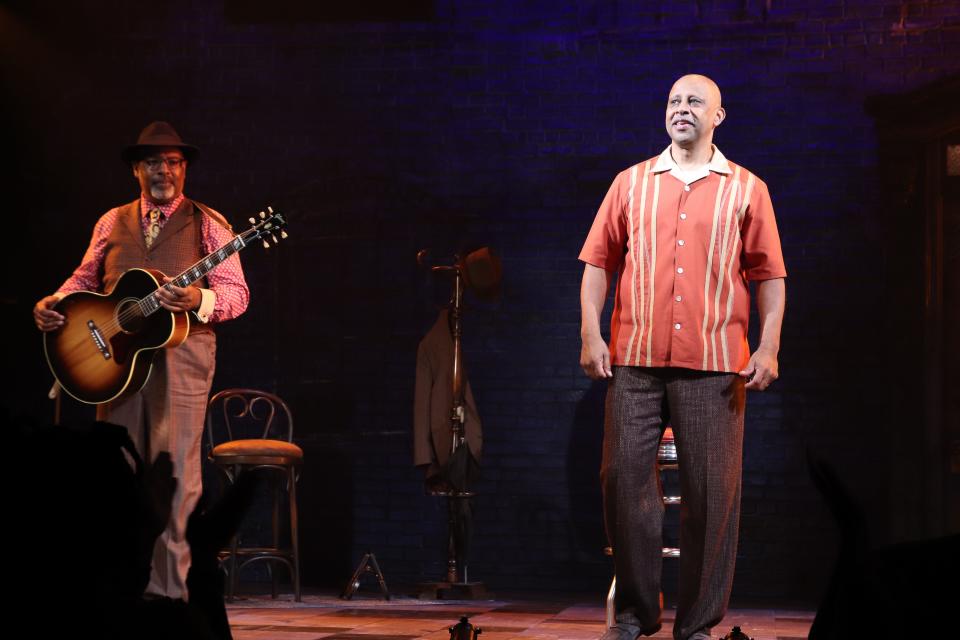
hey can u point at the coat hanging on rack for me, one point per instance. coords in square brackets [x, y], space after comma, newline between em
[433, 401]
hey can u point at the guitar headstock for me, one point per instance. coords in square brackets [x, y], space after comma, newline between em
[267, 228]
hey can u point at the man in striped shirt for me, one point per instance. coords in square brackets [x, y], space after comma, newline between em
[683, 233]
[164, 230]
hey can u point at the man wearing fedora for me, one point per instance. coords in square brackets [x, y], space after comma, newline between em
[163, 229]
[683, 233]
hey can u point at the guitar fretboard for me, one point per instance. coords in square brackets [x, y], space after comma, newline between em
[151, 303]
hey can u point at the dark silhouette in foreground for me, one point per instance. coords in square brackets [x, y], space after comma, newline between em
[86, 512]
[898, 591]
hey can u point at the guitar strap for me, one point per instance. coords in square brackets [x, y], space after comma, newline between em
[215, 215]
[195, 323]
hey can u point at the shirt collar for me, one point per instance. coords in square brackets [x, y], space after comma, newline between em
[166, 209]
[718, 162]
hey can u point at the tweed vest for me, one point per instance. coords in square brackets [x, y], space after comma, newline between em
[176, 247]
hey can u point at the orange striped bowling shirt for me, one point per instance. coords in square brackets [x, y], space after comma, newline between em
[685, 247]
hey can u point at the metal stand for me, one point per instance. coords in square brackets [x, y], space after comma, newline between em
[456, 555]
[367, 565]
[456, 586]
[443, 590]
[464, 630]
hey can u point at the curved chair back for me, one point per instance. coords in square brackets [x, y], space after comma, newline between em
[240, 414]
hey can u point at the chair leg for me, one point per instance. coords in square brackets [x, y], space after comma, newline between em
[232, 577]
[232, 585]
[275, 526]
[294, 536]
[611, 607]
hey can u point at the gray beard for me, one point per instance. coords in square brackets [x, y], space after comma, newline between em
[161, 193]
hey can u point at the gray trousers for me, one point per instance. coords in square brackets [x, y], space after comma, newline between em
[168, 415]
[705, 411]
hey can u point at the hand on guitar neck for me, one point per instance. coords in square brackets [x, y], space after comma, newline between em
[174, 298]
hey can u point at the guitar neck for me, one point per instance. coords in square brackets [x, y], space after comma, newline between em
[209, 263]
[198, 270]
[264, 229]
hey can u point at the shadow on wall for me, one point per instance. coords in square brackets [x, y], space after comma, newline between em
[584, 450]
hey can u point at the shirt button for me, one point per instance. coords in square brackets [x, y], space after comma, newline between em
[686, 187]
[683, 216]
[677, 326]
[678, 298]
[679, 269]
[680, 242]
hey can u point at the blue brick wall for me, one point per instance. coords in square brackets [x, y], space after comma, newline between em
[499, 123]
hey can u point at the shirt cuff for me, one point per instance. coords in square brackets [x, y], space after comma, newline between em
[208, 299]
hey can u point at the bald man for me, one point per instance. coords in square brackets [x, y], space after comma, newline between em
[683, 234]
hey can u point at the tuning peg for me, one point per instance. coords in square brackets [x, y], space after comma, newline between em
[274, 238]
[253, 221]
[266, 245]
[270, 209]
[262, 215]
[283, 234]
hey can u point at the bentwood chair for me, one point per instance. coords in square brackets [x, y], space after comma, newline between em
[251, 430]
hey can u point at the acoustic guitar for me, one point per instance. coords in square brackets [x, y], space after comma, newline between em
[105, 347]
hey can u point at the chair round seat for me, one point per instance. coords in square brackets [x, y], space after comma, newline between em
[257, 451]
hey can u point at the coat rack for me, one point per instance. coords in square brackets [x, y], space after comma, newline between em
[480, 271]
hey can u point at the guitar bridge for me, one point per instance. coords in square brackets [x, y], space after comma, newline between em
[98, 339]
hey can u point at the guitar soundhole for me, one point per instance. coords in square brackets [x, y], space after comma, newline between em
[129, 316]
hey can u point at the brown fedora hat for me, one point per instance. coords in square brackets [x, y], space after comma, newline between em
[157, 134]
[482, 272]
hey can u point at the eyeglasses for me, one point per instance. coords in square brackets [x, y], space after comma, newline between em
[155, 163]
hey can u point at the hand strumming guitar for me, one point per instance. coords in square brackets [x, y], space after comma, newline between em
[44, 316]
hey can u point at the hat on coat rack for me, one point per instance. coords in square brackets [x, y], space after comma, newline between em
[482, 272]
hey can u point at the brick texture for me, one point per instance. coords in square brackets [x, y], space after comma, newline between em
[497, 123]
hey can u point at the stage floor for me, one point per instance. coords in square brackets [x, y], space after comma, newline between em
[405, 618]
